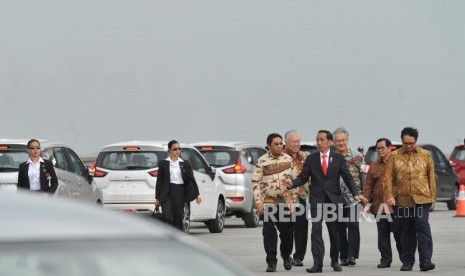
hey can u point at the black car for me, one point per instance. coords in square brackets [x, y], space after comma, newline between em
[447, 182]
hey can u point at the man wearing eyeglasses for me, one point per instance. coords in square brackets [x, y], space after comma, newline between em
[374, 192]
[271, 197]
[410, 186]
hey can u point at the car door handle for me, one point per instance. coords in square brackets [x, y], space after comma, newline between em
[203, 181]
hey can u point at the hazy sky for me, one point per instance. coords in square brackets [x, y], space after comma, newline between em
[90, 73]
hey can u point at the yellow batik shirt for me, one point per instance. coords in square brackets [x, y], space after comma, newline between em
[268, 173]
[410, 178]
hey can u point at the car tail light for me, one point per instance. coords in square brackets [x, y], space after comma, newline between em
[2, 147]
[206, 148]
[99, 173]
[131, 148]
[238, 168]
[237, 198]
[154, 173]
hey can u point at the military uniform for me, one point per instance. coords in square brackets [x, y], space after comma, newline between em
[267, 189]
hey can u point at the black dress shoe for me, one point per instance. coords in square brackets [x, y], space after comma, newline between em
[351, 261]
[384, 265]
[344, 262]
[427, 266]
[336, 266]
[288, 263]
[406, 267]
[271, 268]
[315, 269]
[297, 262]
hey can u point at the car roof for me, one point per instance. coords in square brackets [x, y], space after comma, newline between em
[309, 143]
[232, 144]
[29, 217]
[43, 142]
[143, 145]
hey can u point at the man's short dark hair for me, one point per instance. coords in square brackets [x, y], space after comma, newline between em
[329, 135]
[270, 138]
[386, 140]
[410, 131]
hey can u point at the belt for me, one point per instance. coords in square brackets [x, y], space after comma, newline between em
[272, 200]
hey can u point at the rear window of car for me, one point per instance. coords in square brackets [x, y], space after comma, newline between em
[220, 158]
[458, 153]
[372, 156]
[122, 160]
[10, 160]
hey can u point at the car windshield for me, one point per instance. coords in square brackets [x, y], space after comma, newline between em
[220, 158]
[101, 258]
[10, 160]
[129, 160]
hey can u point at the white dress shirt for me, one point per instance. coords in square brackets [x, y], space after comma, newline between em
[34, 174]
[175, 171]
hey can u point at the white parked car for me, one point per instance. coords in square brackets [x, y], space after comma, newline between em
[234, 163]
[127, 174]
[74, 180]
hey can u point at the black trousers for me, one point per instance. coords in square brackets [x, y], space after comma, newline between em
[301, 232]
[318, 246]
[385, 227]
[173, 206]
[413, 224]
[270, 238]
[349, 233]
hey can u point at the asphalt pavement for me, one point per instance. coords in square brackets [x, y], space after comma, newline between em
[245, 247]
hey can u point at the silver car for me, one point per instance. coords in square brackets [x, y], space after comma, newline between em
[74, 180]
[40, 236]
[234, 163]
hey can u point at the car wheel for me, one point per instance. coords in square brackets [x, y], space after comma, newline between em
[216, 225]
[252, 219]
[186, 220]
[452, 203]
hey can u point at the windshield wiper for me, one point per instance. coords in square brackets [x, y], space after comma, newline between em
[137, 167]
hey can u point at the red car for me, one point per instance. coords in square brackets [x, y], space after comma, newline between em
[458, 161]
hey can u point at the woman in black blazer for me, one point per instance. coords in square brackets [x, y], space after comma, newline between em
[37, 174]
[175, 186]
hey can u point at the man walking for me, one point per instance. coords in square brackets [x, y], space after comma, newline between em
[349, 231]
[300, 225]
[410, 186]
[271, 168]
[374, 192]
[324, 168]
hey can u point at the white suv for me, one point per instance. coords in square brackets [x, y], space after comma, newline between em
[234, 163]
[74, 180]
[127, 174]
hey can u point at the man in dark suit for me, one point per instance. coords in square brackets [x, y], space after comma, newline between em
[325, 168]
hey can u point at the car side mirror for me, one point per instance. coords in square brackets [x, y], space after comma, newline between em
[212, 172]
[90, 175]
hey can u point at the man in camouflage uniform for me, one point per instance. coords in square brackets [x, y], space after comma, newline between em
[349, 232]
[300, 225]
[271, 168]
